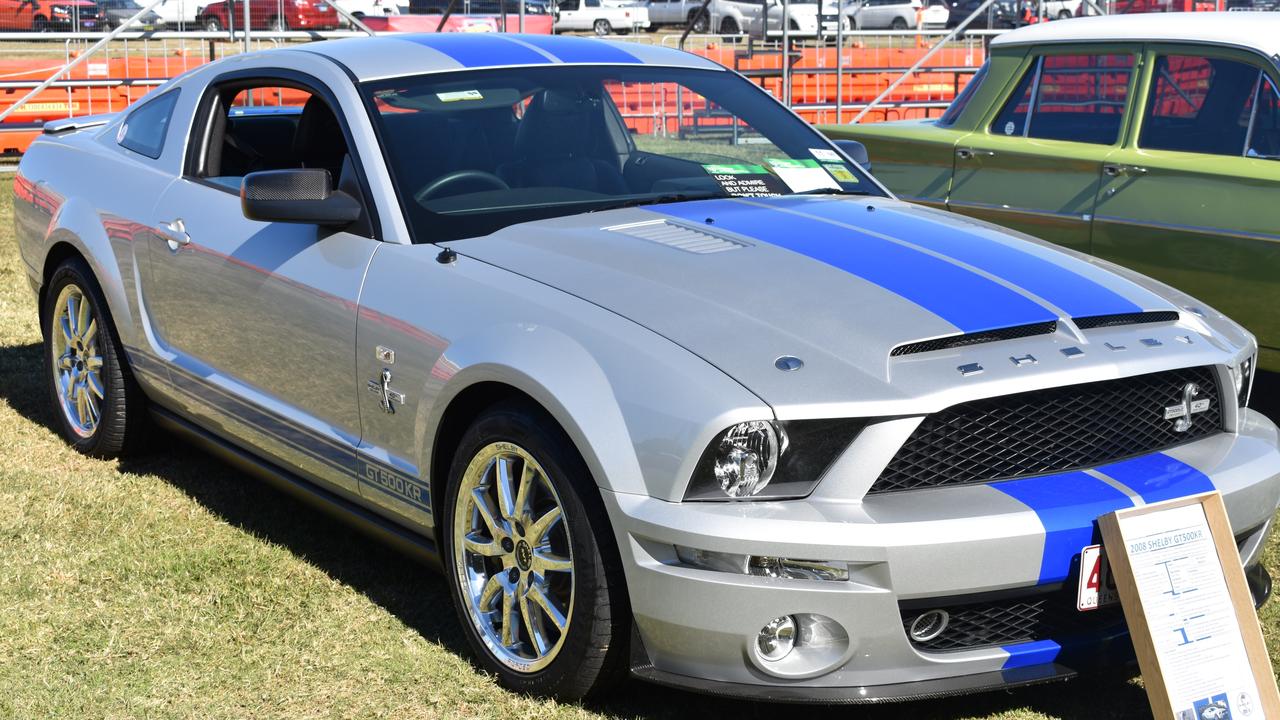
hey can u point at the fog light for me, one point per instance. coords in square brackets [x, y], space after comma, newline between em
[777, 638]
[929, 625]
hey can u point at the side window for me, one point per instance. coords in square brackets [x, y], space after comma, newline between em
[592, 3]
[958, 105]
[1264, 131]
[270, 127]
[144, 130]
[1080, 98]
[1199, 104]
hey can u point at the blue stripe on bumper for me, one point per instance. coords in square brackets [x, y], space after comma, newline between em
[1157, 477]
[961, 297]
[1027, 654]
[1067, 505]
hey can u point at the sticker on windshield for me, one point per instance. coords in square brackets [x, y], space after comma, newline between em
[801, 175]
[825, 154]
[746, 180]
[841, 173]
[459, 95]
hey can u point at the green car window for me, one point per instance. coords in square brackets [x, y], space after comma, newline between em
[958, 105]
[1079, 98]
[1264, 130]
[1200, 105]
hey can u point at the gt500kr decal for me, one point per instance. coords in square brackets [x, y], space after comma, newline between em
[963, 298]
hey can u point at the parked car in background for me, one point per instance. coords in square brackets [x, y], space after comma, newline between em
[480, 7]
[62, 15]
[1057, 9]
[116, 12]
[884, 14]
[712, 408]
[180, 14]
[373, 8]
[999, 14]
[603, 17]
[280, 15]
[677, 12]
[1172, 172]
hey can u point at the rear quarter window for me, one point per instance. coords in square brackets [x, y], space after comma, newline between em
[144, 129]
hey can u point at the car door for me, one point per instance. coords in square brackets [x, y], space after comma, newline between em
[1191, 198]
[260, 318]
[1036, 164]
[571, 16]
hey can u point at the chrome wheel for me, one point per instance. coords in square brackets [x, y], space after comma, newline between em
[512, 557]
[77, 362]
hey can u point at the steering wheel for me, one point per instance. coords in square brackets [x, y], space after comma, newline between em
[435, 187]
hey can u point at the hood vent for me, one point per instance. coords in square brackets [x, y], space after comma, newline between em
[680, 237]
[1138, 318]
[986, 336]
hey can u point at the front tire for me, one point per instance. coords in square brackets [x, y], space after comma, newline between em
[899, 24]
[532, 567]
[100, 409]
[211, 24]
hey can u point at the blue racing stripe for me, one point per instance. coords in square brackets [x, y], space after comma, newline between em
[1067, 505]
[1026, 654]
[1077, 295]
[580, 50]
[475, 50]
[963, 298]
[1158, 477]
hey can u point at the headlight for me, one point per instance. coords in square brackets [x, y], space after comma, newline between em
[767, 460]
[1242, 376]
[59, 10]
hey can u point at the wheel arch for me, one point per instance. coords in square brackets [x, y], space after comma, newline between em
[95, 249]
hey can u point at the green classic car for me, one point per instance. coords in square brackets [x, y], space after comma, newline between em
[1148, 140]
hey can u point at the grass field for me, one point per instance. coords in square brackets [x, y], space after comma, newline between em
[172, 586]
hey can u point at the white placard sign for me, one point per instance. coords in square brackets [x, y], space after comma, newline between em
[1189, 611]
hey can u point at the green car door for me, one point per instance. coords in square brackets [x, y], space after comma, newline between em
[1035, 163]
[1193, 198]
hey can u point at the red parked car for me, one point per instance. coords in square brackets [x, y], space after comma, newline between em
[269, 15]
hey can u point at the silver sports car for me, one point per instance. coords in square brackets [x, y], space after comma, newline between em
[663, 379]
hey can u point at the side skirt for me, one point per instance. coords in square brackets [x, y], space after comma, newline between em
[412, 544]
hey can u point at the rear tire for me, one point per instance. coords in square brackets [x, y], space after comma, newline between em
[1064, 14]
[211, 24]
[602, 27]
[40, 24]
[699, 23]
[99, 408]
[898, 24]
[533, 570]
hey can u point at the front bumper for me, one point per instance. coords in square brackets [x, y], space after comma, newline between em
[931, 548]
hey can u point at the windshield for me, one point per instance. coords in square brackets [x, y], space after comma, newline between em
[476, 151]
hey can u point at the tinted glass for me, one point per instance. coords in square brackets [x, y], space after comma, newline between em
[1264, 139]
[144, 130]
[1199, 105]
[1079, 98]
[958, 105]
[472, 152]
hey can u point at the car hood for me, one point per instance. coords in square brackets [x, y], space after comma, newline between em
[842, 283]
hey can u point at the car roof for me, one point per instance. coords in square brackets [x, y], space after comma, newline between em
[1255, 30]
[370, 58]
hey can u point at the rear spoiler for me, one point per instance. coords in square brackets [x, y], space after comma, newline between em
[57, 127]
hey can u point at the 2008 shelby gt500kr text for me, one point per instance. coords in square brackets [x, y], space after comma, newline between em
[685, 395]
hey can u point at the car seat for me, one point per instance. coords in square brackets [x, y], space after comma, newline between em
[553, 142]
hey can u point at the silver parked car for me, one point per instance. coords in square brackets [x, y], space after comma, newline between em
[691, 397]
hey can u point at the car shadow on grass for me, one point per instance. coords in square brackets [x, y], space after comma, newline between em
[419, 597]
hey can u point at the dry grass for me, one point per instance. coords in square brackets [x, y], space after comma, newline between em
[173, 586]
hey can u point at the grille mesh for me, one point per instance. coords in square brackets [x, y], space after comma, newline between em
[1014, 621]
[1053, 430]
[1138, 318]
[955, 341]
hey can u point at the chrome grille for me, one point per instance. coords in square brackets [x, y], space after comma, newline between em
[1052, 430]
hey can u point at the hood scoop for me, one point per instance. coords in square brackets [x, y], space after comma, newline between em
[986, 336]
[679, 236]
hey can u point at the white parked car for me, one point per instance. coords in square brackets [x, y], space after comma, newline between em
[179, 13]
[371, 8]
[602, 16]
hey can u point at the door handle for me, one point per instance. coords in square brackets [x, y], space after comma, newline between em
[1112, 170]
[970, 153]
[175, 234]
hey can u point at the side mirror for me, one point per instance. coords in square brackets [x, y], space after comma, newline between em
[855, 151]
[303, 196]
